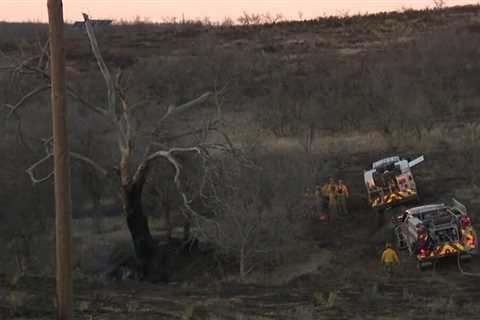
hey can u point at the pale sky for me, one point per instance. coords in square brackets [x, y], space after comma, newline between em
[156, 10]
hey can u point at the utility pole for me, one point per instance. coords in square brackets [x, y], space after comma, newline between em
[63, 198]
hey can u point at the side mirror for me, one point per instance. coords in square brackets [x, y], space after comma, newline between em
[397, 219]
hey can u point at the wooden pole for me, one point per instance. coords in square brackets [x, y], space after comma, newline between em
[63, 201]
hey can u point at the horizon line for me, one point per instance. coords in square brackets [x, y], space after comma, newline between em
[264, 15]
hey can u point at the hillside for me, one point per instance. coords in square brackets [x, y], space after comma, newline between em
[300, 102]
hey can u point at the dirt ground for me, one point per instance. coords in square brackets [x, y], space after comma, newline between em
[341, 278]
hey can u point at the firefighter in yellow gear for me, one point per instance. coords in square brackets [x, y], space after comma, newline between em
[342, 198]
[329, 192]
[389, 259]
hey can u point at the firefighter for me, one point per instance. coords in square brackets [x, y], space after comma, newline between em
[389, 259]
[423, 240]
[329, 192]
[342, 197]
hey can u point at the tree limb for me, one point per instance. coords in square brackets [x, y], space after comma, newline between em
[70, 90]
[25, 98]
[89, 161]
[101, 64]
[123, 133]
[43, 54]
[31, 169]
[87, 104]
[77, 156]
[168, 155]
[172, 110]
[139, 104]
[20, 134]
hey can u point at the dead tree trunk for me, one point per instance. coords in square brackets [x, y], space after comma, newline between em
[137, 223]
[131, 192]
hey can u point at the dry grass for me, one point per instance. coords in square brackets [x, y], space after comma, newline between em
[351, 143]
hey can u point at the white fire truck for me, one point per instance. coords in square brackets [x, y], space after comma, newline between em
[390, 182]
[433, 231]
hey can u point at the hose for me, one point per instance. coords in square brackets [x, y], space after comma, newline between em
[459, 265]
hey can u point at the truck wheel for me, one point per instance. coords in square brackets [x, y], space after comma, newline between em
[410, 249]
[422, 265]
[465, 257]
[400, 241]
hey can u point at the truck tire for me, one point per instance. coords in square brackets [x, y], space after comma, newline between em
[400, 242]
[422, 265]
[465, 257]
[410, 249]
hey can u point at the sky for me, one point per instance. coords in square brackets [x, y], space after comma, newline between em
[216, 10]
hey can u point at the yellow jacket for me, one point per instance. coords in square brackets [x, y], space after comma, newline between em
[343, 190]
[328, 189]
[389, 256]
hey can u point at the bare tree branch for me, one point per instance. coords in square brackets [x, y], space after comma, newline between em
[169, 156]
[172, 110]
[20, 135]
[25, 98]
[26, 62]
[101, 64]
[124, 137]
[17, 63]
[89, 161]
[24, 66]
[125, 114]
[31, 169]
[139, 104]
[44, 54]
[87, 104]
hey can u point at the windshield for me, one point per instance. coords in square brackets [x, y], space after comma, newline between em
[430, 215]
[447, 235]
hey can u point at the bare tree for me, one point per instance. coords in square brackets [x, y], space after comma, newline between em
[246, 225]
[439, 4]
[134, 164]
[250, 19]
[269, 19]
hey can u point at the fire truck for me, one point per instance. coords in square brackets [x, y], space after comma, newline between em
[434, 231]
[390, 182]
